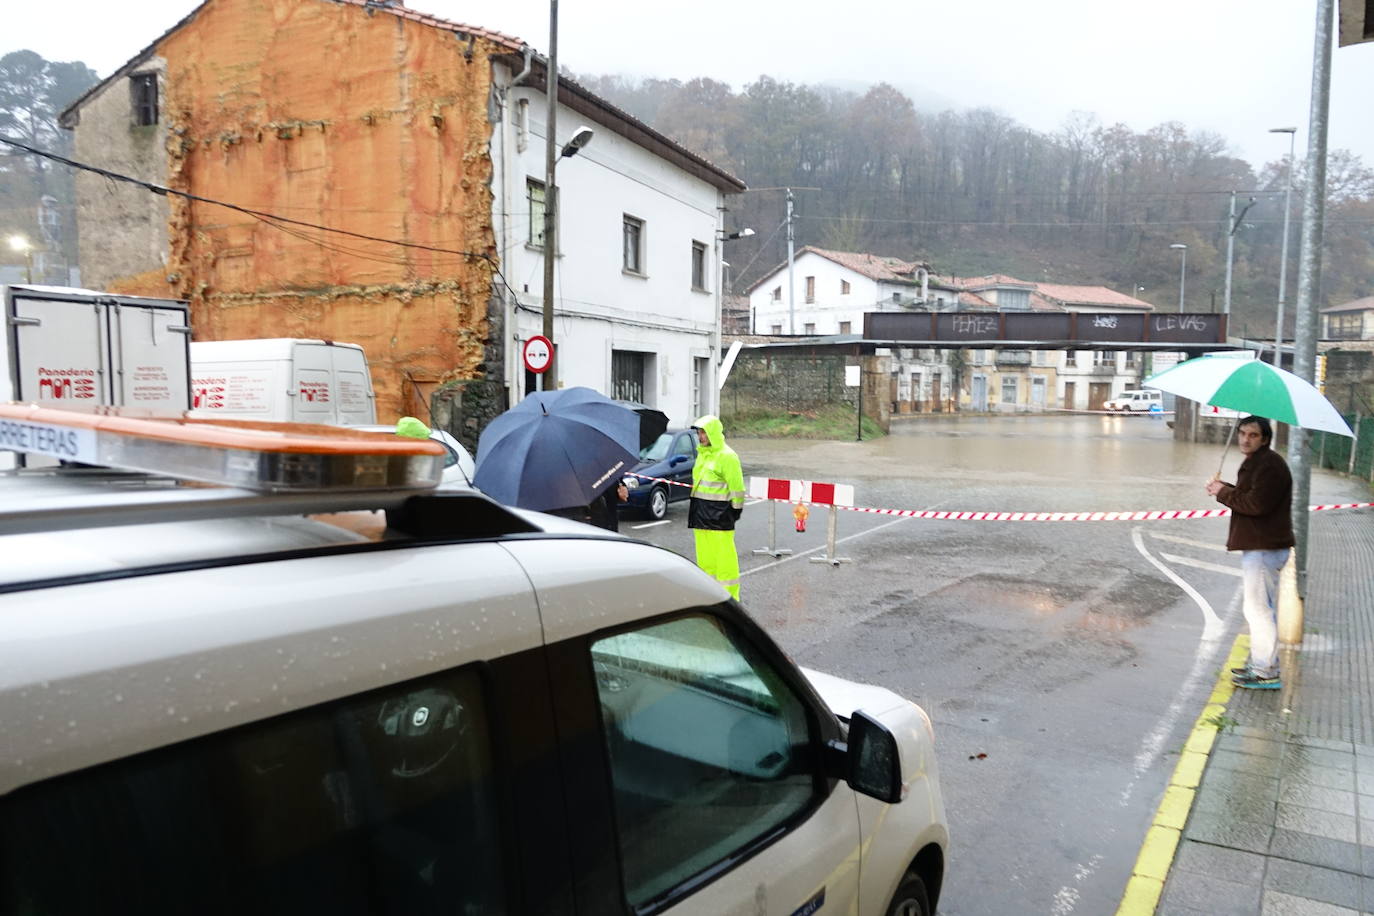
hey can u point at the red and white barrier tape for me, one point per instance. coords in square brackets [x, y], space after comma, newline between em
[1148, 515]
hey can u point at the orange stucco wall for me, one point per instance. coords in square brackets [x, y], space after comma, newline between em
[331, 115]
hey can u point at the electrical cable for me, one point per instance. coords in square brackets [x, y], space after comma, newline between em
[257, 214]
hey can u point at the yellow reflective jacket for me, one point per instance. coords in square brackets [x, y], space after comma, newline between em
[717, 481]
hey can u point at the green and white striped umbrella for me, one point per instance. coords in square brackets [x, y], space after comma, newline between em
[1253, 387]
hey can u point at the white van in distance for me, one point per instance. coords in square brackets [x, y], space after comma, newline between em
[282, 379]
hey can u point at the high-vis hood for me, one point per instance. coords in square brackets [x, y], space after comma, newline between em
[715, 431]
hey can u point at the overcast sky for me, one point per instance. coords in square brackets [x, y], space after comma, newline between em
[1234, 67]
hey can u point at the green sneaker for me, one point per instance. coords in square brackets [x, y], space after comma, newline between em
[1252, 681]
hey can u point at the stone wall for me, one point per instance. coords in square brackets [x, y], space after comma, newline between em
[768, 382]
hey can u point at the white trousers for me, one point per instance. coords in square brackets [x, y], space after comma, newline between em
[1259, 574]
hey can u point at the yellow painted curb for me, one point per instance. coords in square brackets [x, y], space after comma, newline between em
[1141, 897]
[1173, 810]
[1157, 852]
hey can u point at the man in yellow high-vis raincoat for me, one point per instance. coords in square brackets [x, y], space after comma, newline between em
[717, 501]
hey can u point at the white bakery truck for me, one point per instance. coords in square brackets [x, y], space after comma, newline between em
[282, 379]
[82, 348]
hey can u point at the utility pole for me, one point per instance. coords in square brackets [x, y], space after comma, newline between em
[1235, 222]
[1309, 274]
[791, 285]
[549, 379]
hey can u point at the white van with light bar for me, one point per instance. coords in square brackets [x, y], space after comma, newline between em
[270, 668]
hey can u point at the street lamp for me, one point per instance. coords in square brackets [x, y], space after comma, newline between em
[20, 244]
[1283, 255]
[740, 234]
[1182, 271]
[716, 343]
[580, 138]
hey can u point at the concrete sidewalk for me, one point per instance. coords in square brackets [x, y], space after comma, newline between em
[1271, 809]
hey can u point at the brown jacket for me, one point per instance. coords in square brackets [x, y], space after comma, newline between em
[1261, 503]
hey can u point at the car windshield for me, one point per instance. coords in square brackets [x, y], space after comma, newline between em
[658, 449]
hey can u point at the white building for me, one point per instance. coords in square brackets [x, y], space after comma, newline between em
[637, 281]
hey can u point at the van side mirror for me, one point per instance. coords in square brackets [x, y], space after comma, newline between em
[873, 762]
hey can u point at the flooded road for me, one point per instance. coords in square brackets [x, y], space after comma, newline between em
[1062, 662]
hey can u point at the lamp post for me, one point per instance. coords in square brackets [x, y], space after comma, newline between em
[1182, 271]
[580, 138]
[20, 244]
[1283, 249]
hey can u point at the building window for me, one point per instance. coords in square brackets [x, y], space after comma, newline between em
[143, 94]
[844, 287]
[1013, 299]
[627, 375]
[701, 374]
[777, 293]
[979, 357]
[844, 327]
[777, 329]
[1040, 357]
[809, 327]
[1131, 359]
[1344, 327]
[1104, 358]
[699, 266]
[897, 297]
[534, 200]
[1009, 389]
[1070, 358]
[810, 289]
[634, 245]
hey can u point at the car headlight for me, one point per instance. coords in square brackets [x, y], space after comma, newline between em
[630, 482]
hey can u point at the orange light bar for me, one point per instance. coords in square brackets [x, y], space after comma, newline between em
[243, 453]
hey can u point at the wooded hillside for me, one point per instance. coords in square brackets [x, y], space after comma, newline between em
[974, 192]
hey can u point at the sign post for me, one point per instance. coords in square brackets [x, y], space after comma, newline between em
[538, 355]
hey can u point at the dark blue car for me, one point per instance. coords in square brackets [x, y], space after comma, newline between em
[671, 457]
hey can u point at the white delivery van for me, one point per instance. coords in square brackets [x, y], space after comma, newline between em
[282, 379]
[85, 348]
[92, 349]
[219, 699]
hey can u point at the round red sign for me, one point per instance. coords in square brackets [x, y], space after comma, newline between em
[538, 353]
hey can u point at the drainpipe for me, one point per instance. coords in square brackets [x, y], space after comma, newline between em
[529, 58]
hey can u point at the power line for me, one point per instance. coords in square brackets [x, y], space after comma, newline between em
[256, 214]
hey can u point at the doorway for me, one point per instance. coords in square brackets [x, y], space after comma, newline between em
[1070, 400]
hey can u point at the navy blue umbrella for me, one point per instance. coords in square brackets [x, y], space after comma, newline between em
[556, 449]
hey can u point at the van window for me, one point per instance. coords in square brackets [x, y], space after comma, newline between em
[378, 804]
[708, 749]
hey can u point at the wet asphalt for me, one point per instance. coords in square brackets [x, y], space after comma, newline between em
[1062, 668]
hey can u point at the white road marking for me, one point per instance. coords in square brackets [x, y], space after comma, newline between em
[1191, 542]
[1201, 564]
[1213, 628]
[652, 524]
